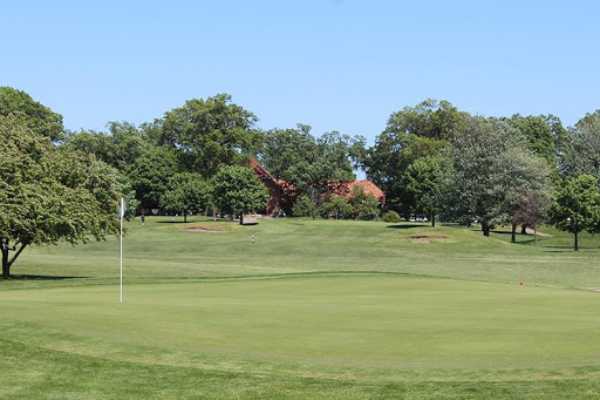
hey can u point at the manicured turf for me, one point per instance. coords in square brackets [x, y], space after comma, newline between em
[304, 309]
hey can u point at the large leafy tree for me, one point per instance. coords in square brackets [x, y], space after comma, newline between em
[49, 194]
[583, 155]
[119, 147]
[310, 164]
[328, 162]
[545, 135]
[488, 156]
[430, 118]
[528, 184]
[577, 207]
[34, 115]
[529, 209]
[388, 161]
[411, 133]
[150, 174]
[186, 193]
[209, 133]
[427, 181]
[282, 149]
[237, 191]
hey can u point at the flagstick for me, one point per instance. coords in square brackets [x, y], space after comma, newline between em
[122, 212]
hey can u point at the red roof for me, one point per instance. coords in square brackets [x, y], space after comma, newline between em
[283, 193]
[345, 188]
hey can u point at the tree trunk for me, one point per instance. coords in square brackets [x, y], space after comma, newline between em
[513, 233]
[5, 265]
[185, 217]
[524, 229]
[576, 244]
[241, 219]
[433, 220]
[485, 228]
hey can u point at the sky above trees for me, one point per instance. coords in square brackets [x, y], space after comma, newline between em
[337, 64]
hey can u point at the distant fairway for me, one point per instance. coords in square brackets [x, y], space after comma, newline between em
[311, 309]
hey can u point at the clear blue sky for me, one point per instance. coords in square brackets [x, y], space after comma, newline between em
[333, 64]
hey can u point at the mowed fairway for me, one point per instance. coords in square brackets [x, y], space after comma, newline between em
[305, 309]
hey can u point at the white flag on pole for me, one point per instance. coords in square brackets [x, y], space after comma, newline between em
[122, 208]
[121, 216]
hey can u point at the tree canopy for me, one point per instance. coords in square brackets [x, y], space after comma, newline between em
[577, 206]
[120, 147]
[237, 191]
[545, 135]
[186, 193]
[310, 163]
[282, 149]
[583, 155]
[49, 194]
[209, 133]
[34, 115]
[387, 162]
[150, 174]
[490, 161]
[427, 181]
[431, 118]
[431, 159]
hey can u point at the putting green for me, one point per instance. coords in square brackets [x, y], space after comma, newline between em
[336, 322]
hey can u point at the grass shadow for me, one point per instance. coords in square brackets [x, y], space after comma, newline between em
[42, 277]
[530, 241]
[173, 222]
[191, 221]
[500, 232]
[407, 226]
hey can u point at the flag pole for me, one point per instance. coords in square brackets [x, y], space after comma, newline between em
[121, 214]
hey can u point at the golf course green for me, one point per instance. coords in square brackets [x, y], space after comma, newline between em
[304, 309]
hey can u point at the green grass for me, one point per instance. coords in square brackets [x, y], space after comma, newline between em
[308, 309]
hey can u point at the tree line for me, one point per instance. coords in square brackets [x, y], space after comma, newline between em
[436, 160]
[431, 160]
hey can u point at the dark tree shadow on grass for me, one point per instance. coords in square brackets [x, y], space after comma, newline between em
[192, 221]
[42, 277]
[558, 248]
[530, 241]
[407, 226]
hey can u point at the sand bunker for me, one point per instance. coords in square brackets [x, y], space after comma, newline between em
[427, 238]
[204, 229]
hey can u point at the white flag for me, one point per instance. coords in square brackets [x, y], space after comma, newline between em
[122, 209]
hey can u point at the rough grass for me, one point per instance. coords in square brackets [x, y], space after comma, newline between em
[304, 309]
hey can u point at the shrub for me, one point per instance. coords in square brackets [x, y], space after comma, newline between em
[364, 206]
[304, 207]
[337, 207]
[391, 216]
